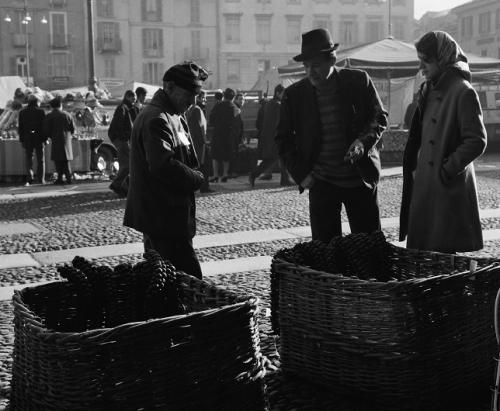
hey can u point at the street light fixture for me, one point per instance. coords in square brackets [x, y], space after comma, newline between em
[26, 20]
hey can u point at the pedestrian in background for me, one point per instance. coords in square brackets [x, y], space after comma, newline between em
[439, 209]
[267, 148]
[119, 133]
[33, 139]
[59, 127]
[329, 125]
[197, 123]
[140, 98]
[164, 170]
[226, 124]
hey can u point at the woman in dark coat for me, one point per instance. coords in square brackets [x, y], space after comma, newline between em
[59, 127]
[226, 126]
[439, 209]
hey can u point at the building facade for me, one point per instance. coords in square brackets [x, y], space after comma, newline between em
[55, 34]
[479, 27]
[136, 40]
[445, 20]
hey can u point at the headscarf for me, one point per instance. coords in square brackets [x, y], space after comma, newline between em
[451, 56]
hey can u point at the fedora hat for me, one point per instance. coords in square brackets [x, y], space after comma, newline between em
[314, 43]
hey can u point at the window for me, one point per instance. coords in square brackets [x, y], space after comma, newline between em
[263, 28]
[105, 8]
[348, 1]
[322, 21]
[58, 29]
[484, 22]
[108, 37]
[151, 10]
[109, 67]
[263, 1]
[263, 65]
[484, 53]
[233, 28]
[373, 30]
[195, 11]
[322, 1]
[399, 2]
[60, 65]
[498, 53]
[152, 42]
[152, 72]
[293, 29]
[348, 31]
[399, 25]
[497, 24]
[233, 70]
[293, 1]
[466, 26]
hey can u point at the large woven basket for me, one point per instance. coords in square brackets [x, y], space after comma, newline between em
[208, 359]
[420, 342]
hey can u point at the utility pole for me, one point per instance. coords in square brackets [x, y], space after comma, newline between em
[90, 21]
[389, 5]
[27, 43]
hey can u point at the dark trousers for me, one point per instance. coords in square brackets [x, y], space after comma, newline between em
[179, 251]
[40, 163]
[120, 182]
[63, 168]
[266, 167]
[325, 204]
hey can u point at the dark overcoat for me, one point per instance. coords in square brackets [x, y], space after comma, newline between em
[163, 175]
[226, 125]
[198, 129]
[120, 127]
[59, 127]
[439, 210]
[299, 129]
[31, 126]
[267, 147]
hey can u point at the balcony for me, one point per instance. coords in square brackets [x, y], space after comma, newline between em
[153, 52]
[109, 45]
[19, 40]
[59, 41]
[197, 54]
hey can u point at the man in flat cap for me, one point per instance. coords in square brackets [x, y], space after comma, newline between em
[330, 123]
[164, 170]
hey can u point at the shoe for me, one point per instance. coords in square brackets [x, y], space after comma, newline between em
[119, 192]
[287, 184]
[223, 179]
[26, 184]
[266, 177]
[58, 182]
[214, 180]
[251, 180]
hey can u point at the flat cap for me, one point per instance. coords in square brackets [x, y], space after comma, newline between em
[187, 75]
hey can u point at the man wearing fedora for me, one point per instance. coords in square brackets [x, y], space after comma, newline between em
[329, 125]
[164, 170]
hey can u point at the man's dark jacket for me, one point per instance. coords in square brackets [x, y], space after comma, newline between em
[31, 126]
[163, 179]
[121, 123]
[299, 130]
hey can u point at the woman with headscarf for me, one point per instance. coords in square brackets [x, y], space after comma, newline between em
[439, 209]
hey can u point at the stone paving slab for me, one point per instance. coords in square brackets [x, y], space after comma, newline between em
[18, 228]
[17, 260]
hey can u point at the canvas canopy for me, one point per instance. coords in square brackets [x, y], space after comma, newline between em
[8, 85]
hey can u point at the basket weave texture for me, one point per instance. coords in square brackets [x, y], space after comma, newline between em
[81, 347]
[417, 331]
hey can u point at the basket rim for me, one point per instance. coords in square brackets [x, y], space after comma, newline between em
[386, 284]
[248, 303]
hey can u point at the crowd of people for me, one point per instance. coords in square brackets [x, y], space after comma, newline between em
[321, 131]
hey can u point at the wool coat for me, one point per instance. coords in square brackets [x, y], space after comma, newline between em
[299, 130]
[268, 150]
[198, 129]
[163, 173]
[226, 122]
[31, 126]
[59, 127]
[439, 210]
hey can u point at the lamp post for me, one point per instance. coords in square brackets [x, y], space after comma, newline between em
[25, 22]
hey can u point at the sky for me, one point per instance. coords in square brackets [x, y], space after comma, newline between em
[423, 6]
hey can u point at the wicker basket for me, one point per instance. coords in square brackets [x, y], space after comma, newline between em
[414, 343]
[208, 359]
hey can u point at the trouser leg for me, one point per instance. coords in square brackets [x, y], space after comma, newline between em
[264, 166]
[28, 154]
[324, 211]
[120, 182]
[361, 204]
[40, 163]
[179, 251]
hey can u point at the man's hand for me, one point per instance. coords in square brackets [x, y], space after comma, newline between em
[307, 182]
[355, 152]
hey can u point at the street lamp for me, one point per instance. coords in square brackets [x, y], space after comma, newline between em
[25, 21]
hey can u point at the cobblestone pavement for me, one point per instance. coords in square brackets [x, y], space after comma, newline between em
[94, 219]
